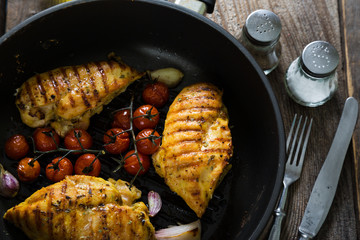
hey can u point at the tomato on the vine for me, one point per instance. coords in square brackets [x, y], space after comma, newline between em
[87, 164]
[147, 141]
[28, 169]
[122, 119]
[75, 137]
[146, 116]
[132, 165]
[46, 139]
[58, 169]
[156, 94]
[16, 147]
[116, 141]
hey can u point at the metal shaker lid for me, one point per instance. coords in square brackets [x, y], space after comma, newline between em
[319, 59]
[262, 27]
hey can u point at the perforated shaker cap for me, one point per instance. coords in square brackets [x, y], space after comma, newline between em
[263, 27]
[319, 59]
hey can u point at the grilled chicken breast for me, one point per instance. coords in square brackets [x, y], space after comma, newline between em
[67, 97]
[196, 145]
[83, 207]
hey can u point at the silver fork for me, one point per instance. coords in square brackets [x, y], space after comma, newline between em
[292, 170]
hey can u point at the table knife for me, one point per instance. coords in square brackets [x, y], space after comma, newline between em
[326, 183]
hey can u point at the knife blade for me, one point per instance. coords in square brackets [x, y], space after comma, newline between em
[324, 189]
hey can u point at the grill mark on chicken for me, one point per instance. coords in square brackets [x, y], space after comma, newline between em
[181, 142]
[29, 93]
[63, 205]
[83, 94]
[198, 152]
[89, 196]
[199, 98]
[37, 217]
[201, 109]
[50, 213]
[17, 218]
[59, 80]
[92, 82]
[105, 232]
[112, 67]
[54, 83]
[26, 216]
[74, 215]
[66, 80]
[73, 225]
[41, 87]
[103, 77]
[184, 130]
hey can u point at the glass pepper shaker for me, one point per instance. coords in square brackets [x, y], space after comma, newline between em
[260, 36]
[311, 79]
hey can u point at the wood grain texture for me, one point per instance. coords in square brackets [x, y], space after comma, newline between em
[304, 21]
[2, 16]
[350, 11]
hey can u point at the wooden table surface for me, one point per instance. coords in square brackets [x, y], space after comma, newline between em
[303, 21]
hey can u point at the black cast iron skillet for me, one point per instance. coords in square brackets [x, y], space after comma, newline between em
[150, 35]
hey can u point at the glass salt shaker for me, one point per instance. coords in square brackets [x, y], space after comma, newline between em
[311, 79]
[260, 36]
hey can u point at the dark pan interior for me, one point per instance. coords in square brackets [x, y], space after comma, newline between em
[150, 35]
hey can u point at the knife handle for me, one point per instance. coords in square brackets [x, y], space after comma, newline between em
[303, 236]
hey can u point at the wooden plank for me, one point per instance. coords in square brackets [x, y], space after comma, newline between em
[304, 22]
[18, 11]
[2, 16]
[350, 10]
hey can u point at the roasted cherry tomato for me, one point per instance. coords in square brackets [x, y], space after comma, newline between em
[115, 141]
[121, 119]
[148, 141]
[87, 164]
[44, 141]
[16, 147]
[146, 116]
[74, 137]
[156, 94]
[28, 169]
[132, 165]
[58, 169]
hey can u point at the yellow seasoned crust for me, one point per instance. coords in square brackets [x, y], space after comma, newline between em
[196, 145]
[67, 97]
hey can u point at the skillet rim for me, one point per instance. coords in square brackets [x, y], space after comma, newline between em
[266, 216]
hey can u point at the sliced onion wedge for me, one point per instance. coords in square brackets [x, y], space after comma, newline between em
[191, 231]
[155, 203]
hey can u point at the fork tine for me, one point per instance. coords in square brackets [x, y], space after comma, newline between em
[290, 133]
[300, 142]
[302, 156]
[290, 159]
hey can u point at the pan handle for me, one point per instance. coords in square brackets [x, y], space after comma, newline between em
[199, 6]
[210, 4]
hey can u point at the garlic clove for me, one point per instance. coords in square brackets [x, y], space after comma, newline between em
[9, 185]
[170, 76]
[155, 203]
